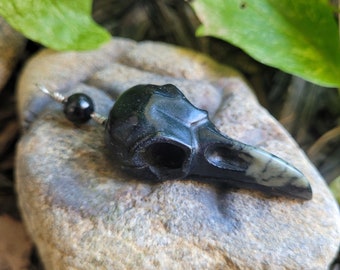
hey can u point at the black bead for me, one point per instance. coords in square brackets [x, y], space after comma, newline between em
[78, 108]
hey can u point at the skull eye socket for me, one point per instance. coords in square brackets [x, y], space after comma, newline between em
[165, 155]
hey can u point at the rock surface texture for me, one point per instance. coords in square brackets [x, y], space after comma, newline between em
[11, 46]
[84, 214]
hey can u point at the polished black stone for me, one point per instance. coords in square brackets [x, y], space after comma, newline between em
[155, 133]
[78, 108]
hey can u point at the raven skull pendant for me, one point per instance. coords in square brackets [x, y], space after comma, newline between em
[154, 133]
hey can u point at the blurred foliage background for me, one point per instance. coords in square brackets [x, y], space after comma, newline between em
[311, 113]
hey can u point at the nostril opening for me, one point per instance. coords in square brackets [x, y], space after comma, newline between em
[165, 155]
[227, 158]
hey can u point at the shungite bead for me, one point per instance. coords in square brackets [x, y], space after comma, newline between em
[78, 108]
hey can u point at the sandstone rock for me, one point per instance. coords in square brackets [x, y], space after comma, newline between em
[84, 214]
[11, 46]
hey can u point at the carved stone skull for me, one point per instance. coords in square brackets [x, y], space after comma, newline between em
[157, 134]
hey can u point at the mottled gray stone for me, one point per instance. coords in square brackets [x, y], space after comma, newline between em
[83, 214]
[12, 44]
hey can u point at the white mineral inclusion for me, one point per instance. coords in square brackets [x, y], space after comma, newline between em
[271, 171]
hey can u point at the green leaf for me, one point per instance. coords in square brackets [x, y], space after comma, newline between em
[335, 188]
[57, 24]
[297, 36]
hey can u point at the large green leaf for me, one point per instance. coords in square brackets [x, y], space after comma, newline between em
[297, 36]
[335, 188]
[57, 24]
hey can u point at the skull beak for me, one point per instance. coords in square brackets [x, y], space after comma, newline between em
[225, 160]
